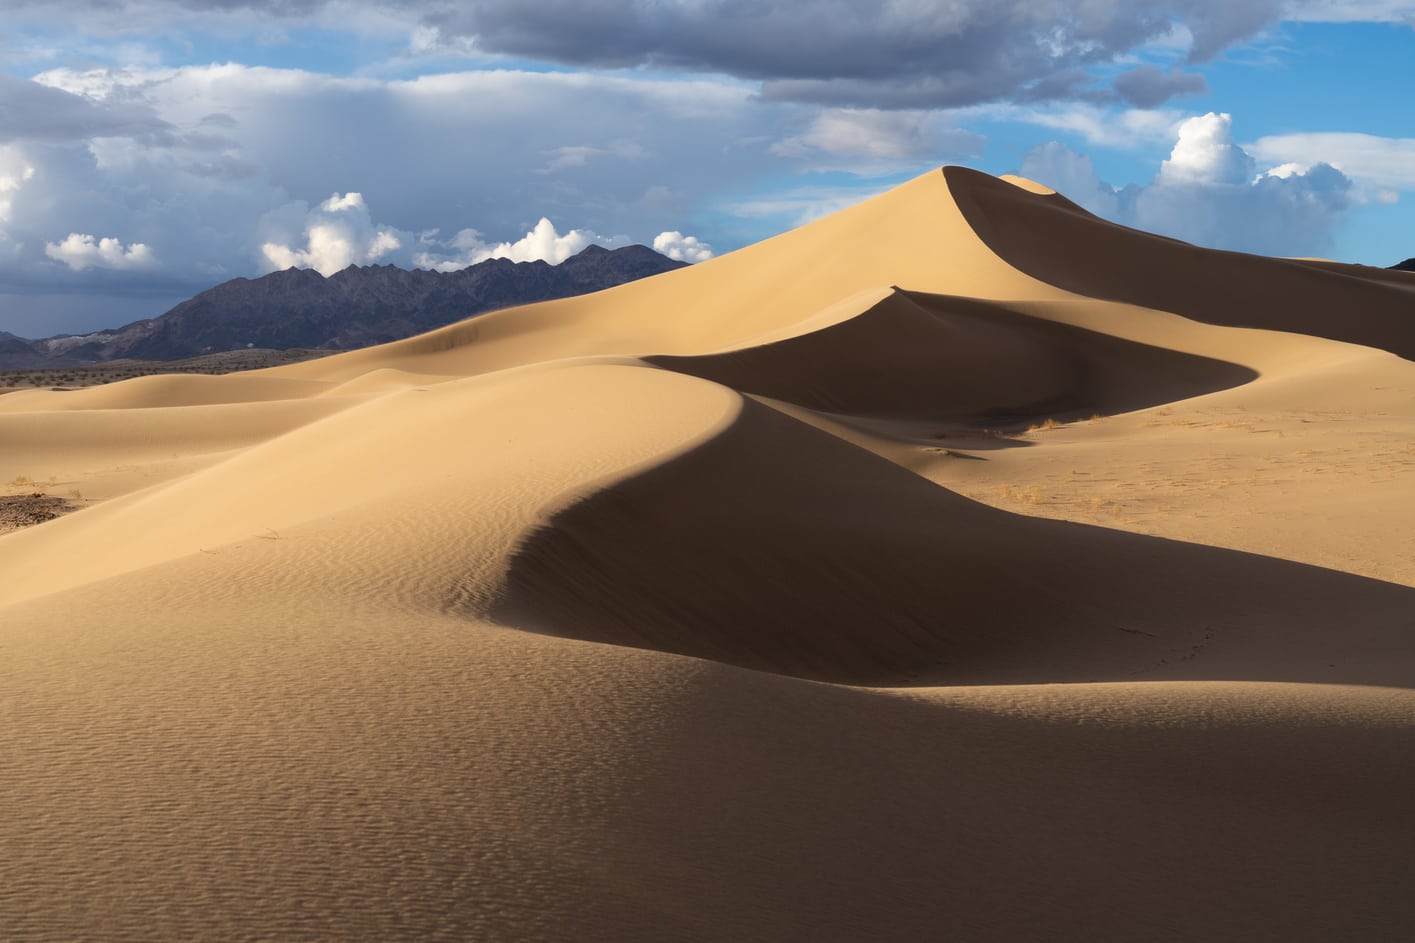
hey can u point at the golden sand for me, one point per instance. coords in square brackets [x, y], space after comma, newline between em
[957, 567]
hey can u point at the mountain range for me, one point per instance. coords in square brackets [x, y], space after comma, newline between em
[357, 307]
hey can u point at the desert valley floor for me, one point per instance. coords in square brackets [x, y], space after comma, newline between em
[956, 567]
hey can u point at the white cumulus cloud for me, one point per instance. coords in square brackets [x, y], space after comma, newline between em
[542, 244]
[682, 248]
[336, 234]
[1205, 153]
[81, 251]
[1208, 193]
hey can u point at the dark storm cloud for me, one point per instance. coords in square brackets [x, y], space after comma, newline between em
[1147, 86]
[896, 54]
[902, 54]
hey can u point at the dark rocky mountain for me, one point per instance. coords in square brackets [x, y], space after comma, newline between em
[18, 353]
[10, 344]
[357, 307]
[1407, 266]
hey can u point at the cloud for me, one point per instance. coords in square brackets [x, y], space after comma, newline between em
[15, 172]
[571, 156]
[235, 182]
[1376, 163]
[1352, 11]
[1074, 176]
[874, 142]
[542, 244]
[80, 251]
[1295, 215]
[335, 235]
[1147, 86]
[683, 248]
[1100, 126]
[341, 232]
[1205, 153]
[899, 54]
[1386, 163]
[125, 23]
[37, 112]
[1206, 193]
[895, 54]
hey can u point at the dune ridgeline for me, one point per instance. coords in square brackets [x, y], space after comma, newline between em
[957, 567]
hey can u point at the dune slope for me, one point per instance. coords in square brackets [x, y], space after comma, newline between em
[959, 565]
[776, 547]
[1053, 239]
[950, 359]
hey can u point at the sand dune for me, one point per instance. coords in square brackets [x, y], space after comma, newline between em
[950, 359]
[1053, 239]
[957, 566]
[709, 554]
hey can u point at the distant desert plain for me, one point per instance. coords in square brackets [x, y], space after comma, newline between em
[956, 567]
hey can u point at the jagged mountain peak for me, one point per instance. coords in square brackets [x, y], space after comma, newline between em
[356, 307]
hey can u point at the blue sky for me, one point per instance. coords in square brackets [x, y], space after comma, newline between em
[152, 148]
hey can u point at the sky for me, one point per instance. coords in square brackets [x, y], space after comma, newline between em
[150, 149]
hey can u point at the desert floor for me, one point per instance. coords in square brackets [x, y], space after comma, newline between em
[959, 566]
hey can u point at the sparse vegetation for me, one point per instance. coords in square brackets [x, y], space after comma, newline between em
[26, 510]
[98, 374]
